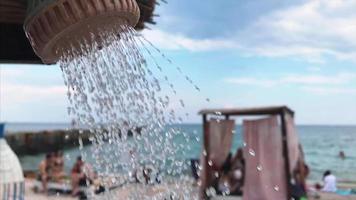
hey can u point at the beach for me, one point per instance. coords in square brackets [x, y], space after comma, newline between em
[124, 192]
[31, 195]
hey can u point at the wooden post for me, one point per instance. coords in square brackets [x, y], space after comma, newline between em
[286, 153]
[205, 176]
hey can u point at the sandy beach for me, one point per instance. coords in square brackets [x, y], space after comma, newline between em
[329, 196]
[31, 195]
[126, 192]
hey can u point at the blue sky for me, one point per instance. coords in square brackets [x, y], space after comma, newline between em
[241, 53]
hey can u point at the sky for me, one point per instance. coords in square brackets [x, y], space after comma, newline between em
[240, 53]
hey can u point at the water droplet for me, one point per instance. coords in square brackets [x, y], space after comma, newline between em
[80, 143]
[200, 167]
[113, 180]
[210, 192]
[199, 182]
[276, 188]
[210, 163]
[216, 174]
[67, 156]
[182, 103]
[251, 152]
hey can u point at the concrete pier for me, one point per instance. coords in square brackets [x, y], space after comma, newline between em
[45, 141]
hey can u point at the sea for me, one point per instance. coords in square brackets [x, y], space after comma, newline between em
[321, 145]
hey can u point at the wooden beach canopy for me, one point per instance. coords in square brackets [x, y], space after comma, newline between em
[16, 48]
[273, 110]
[283, 114]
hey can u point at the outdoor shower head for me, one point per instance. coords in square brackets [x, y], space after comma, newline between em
[55, 27]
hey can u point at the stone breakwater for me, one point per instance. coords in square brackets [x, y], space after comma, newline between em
[30, 143]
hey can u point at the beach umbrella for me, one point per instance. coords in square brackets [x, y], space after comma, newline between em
[11, 175]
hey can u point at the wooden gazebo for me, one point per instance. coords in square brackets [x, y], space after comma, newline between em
[280, 111]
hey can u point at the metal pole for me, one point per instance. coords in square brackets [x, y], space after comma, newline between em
[286, 153]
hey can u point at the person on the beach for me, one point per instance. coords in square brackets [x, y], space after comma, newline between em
[45, 171]
[329, 182]
[58, 167]
[300, 174]
[237, 173]
[232, 176]
[129, 159]
[81, 175]
[77, 175]
[222, 184]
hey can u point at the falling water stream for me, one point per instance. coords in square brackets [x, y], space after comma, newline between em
[113, 92]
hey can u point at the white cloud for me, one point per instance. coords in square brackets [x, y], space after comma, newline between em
[310, 31]
[27, 103]
[338, 79]
[14, 94]
[32, 94]
[252, 81]
[17, 87]
[314, 69]
[177, 42]
[329, 90]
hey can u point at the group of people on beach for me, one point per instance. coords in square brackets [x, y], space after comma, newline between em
[231, 178]
[51, 169]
